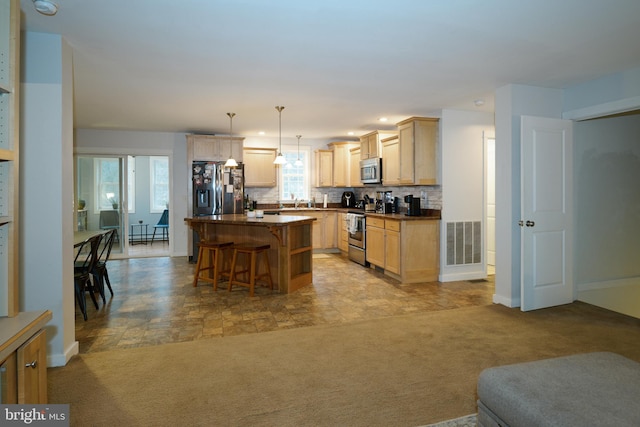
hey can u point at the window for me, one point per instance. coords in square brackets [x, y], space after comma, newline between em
[107, 178]
[295, 179]
[131, 184]
[158, 183]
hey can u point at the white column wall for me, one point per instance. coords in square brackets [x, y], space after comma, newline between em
[462, 168]
[46, 189]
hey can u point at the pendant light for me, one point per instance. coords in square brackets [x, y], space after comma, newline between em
[298, 162]
[231, 163]
[280, 160]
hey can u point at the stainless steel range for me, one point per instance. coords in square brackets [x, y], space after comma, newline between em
[357, 239]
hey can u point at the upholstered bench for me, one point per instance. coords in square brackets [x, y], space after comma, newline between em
[592, 389]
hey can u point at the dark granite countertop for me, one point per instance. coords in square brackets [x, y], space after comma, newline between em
[427, 214]
[239, 219]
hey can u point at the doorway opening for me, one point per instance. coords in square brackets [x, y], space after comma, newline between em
[129, 193]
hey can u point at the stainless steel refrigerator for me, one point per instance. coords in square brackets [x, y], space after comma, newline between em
[216, 190]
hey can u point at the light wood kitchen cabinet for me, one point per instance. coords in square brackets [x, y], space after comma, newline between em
[324, 229]
[418, 150]
[214, 148]
[375, 241]
[343, 233]
[392, 246]
[391, 159]
[32, 370]
[23, 358]
[370, 143]
[354, 166]
[341, 163]
[259, 170]
[324, 168]
[407, 250]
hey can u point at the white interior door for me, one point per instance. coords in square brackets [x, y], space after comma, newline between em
[546, 212]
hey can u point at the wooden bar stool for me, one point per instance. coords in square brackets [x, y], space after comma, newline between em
[213, 251]
[251, 253]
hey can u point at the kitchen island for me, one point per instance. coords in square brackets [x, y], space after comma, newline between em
[290, 237]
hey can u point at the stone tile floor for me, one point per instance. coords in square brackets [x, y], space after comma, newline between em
[155, 302]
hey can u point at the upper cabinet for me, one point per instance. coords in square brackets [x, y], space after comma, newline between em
[370, 143]
[354, 168]
[259, 170]
[341, 162]
[392, 169]
[9, 126]
[324, 168]
[417, 151]
[213, 148]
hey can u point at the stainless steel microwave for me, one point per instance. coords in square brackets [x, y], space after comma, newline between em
[371, 171]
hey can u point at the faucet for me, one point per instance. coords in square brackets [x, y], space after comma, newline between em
[295, 203]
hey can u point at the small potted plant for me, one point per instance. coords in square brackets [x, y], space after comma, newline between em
[114, 202]
[81, 204]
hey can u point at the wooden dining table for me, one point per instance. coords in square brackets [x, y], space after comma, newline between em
[81, 236]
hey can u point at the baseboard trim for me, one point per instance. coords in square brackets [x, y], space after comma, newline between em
[608, 284]
[61, 359]
[509, 302]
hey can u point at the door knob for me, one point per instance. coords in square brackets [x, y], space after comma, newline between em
[520, 223]
[530, 223]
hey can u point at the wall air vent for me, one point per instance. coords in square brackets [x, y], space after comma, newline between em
[464, 242]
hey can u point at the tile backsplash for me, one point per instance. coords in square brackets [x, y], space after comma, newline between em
[433, 194]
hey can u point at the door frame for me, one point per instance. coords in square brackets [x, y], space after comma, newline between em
[487, 172]
[124, 153]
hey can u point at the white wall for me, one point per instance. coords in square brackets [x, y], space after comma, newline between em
[610, 94]
[607, 209]
[462, 171]
[46, 204]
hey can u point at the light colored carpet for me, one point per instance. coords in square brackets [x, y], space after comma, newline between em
[401, 371]
[467, 421]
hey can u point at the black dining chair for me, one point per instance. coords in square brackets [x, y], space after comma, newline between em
[99, 271]
[83, 264]
[162, 224]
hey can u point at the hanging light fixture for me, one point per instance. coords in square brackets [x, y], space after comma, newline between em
[280, 160]
[231, 163]
[298, 162]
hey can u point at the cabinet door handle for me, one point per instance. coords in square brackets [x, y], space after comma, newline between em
[33, 364]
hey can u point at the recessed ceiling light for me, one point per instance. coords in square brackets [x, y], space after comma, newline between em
[261, 132]
[383, 119]
[45, 7]
[350, 133]
[478, 102]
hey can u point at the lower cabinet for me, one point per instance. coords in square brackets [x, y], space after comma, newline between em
[324, 229]
[375, 247]
[407, 250]
[24, 373]
[392, 246]
[343, 233]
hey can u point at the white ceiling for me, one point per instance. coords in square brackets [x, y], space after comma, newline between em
[336, 65]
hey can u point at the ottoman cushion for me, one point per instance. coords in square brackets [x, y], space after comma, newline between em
[600, 389]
